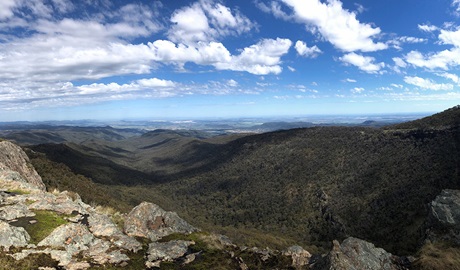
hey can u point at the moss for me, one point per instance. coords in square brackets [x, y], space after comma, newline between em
[47, 221]
[18, 191]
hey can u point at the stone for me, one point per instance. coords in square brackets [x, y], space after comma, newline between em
[15, 211]
[61, 203]
[443, 223]
[445, 209]
[12, 236]
[169, 251]
[357, 254]
[150, 221]
[300, 257]
[14, 159]
[103, 226]
[73, 237]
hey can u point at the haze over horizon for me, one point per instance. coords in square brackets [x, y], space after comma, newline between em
[101, 59]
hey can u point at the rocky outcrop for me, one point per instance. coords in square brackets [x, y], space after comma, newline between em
[14, 162]
[443, 222]
[300, 257]
[150, 221]
[356, 254]
[12, 236]
[169, 251]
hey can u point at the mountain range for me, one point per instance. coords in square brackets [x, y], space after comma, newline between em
[307, 186]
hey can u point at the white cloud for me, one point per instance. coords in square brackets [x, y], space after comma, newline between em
[442, 59]
[303, 50]
[427, 27]
[291, 69]
[337, 25]
[400, 86]
[6, 8]
[427, 83]
[357, 90]
[456, 5]
[207, 21]
[450, 37]
[260, 59]
[399, 62]
[450, 76]
[365, 63]
[350, 80]
[232, 83]
[154, 82]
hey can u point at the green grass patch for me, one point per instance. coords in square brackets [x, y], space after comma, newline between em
[33, 261]
[18, 191]
[47, 221]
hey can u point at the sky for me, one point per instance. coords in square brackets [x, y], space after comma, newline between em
[123, 59]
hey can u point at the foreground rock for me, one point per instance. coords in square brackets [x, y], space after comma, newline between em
[169, 251]
[356, 254]
[150, 221]
[444, 217]
[13, 159]
[12, 236]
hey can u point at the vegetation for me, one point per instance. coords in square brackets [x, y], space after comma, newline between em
[47, 221]
[31, 262]
[305, 186]
[438, 256]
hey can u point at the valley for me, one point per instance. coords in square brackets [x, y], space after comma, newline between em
[304, 186]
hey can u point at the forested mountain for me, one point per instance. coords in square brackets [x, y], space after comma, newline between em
[307, 186]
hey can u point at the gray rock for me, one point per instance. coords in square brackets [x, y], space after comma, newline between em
[100, 252]
[445, 209]
[15, 211]
[61, 203]
[13, 158]
[150, 221]
[443, 223]
[102, 226]
[169, 251]
[12, 236]
[356, 254]
[300, 257]
[73, 237]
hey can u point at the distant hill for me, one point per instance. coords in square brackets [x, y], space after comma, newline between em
[308, 185]
[446, 119]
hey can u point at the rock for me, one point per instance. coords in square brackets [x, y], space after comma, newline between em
[73, 237]
[15, 211]
[300, 257]
[63, 202]
[443, 222]
[99, 252]
[169, 251]
[13, 158]
[356, 254]
[102, 226]
[12, 236]
[150, 221]
[445, 209]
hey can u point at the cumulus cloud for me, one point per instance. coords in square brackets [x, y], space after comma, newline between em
[427, 83]
[350, 80]
[207, 21]
[456, 5]
[442, 59]
[336, 24]
[365, 63]
[450, 76]
[7, 7]
[303, 50]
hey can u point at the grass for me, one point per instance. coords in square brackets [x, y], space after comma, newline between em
[18, 191]
[33, 261]
[47, 221]
[442, 256]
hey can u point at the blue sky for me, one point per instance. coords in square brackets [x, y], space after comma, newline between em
[101, 59]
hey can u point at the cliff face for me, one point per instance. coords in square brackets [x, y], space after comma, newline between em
[14, 164]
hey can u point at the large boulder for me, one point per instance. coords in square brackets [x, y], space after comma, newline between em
[12, 236]
[150, 221]
[12, 158]
[160, 252]
[444, 218]
[357, 254]
[300, 257]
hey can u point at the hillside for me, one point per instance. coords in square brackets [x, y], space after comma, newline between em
[307, 186]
